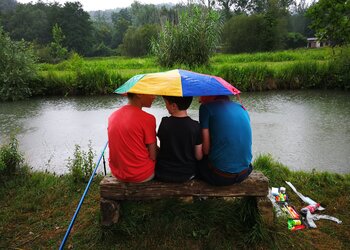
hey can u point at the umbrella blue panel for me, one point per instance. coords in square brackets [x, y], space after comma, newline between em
[195, 84]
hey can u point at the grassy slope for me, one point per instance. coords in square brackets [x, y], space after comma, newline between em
[128, 67]
[36, 209]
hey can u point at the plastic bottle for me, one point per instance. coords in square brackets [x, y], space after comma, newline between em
[311, 208]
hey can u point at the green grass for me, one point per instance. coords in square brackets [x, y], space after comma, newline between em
[36, 208]
[291, 69]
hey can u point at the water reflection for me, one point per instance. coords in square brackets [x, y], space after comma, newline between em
[302, 129]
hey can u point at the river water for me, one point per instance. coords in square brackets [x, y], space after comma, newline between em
[304, 130]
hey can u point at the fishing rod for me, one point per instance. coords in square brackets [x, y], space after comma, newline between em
[82, 198]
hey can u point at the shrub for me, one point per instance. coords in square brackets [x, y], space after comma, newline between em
[339, 69]
[191, 41]
[82, 165]
[243, 34]
[92, 81]
[57, 51]
[295, 40]
[102, 50]
[10, 158]
[17, 68]
[137, 41]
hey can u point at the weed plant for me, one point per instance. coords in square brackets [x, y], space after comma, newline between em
[11, 159]
[81, 165]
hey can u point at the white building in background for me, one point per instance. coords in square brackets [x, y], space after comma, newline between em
[313, 42]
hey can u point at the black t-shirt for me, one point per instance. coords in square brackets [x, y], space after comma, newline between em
[176, 160]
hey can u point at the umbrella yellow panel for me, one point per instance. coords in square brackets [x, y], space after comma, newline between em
[164, 83]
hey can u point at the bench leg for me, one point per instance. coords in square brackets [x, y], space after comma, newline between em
[109, 211]
[266, 210]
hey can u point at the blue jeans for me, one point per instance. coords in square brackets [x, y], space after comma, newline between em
[214, 176]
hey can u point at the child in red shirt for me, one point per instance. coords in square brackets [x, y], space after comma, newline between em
[132, 140]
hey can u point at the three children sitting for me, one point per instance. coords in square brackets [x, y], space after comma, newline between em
[217, 150]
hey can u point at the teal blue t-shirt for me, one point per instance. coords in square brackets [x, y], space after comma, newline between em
[230, 134]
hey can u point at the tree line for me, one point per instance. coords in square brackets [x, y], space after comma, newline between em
[176, 35]
[246, 26]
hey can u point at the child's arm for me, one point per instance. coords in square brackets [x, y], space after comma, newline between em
[198, 152]
[206, 141]
[152, 150]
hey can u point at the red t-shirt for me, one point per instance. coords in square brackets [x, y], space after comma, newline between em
[129, 130]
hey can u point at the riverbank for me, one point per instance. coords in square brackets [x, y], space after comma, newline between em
[291, 69]
[36, 209]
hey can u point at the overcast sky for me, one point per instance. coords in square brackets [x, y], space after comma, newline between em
[105, 4]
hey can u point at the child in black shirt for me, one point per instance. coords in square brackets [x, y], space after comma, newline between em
[180, 142]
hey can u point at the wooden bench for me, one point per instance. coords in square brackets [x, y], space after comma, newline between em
[113, 192]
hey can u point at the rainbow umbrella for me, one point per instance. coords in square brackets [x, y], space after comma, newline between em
[177, 82]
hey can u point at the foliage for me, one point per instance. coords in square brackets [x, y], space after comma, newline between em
[192, 41]
[46, 203]
[244, 34]
[29, 22]
[137, 41]
[17, 68]
[295, 40]
[275, 25]
[10, 158]
[102, 50]
[57, 51]
[34, 22]
[121, 23]
[331, 21]
[92, 81]
[262, 31]
[76, 26]
[7, 5]
[105, 30]
[340, 66]
[82, 165]
[298, 22]
[102, 32]
[143, 14]
[289, 69]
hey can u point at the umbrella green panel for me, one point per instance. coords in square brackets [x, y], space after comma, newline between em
[129, 84]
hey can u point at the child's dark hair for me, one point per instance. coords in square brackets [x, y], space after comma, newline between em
[130, 95]
[182, 102]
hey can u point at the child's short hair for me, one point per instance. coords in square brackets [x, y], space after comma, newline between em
[182, 102]
[130, 95]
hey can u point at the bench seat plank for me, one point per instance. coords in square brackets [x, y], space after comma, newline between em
[112, 189]
[113, 192]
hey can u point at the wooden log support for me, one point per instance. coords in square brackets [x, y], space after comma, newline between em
[109, 211]
[112, 192]
[265, 208]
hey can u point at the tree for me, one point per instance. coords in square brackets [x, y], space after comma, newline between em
[57, 51]
[191, 41]
[331, 21]
[137, 41]
[121, 22]
[144, 14]
[77, 27]
[295, 40]
[275, 25]
[7, 5]
[29, 22]
[298, 22]
[102, 31]
[244, 33]
[17, 68]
